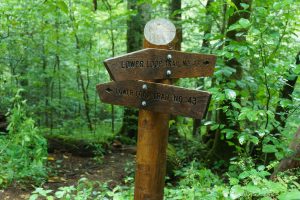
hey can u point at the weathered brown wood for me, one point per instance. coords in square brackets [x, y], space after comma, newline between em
[151, 64]
[153, 131]
[156, 97]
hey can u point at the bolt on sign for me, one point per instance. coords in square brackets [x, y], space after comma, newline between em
[151, 64]
[156, 97]
[156, 101]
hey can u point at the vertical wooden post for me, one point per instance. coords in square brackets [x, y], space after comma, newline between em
[153, 128]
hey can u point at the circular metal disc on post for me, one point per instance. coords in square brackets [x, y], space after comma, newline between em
[153, 128]
[159, 31]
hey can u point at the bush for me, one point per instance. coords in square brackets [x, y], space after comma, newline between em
[23, 152]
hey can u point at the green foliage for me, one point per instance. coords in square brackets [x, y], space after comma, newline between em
[23, 152]
[196, 183]
[247, 182]
[54, 50]
[84, 190]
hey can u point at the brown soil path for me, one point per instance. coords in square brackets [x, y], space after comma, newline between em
[68, 169]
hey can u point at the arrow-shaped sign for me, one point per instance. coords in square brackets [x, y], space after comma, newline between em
[151, 64]
[156, 97]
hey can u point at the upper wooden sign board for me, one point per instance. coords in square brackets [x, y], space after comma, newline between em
[156, 97]
[151, 64]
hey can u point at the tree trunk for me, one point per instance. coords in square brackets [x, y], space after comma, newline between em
[95, 4]
[135, 36]
[205, 44]
[292, 161]
[281, 113]
[3, 123]
[175, 16]
[221, 149]
[79, 75]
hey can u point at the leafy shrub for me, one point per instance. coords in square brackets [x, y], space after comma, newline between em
[23, 151]
[196, 183]
[247, 181]
[85, 190]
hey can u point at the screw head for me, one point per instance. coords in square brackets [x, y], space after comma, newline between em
[144, 103]
[169, 56]
[168, 72]
[145, 87]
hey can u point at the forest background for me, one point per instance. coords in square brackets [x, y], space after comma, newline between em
[51, 59]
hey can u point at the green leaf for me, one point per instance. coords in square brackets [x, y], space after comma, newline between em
[233, 181]
[252, 115]
[208, 123]
[34, 197]
[266, 198]
[63, 6]
[214, 127]
[254, 139]
[59, 194]
[268, 148]
[236, 192]
[292, 195]
[253, 189]
[230, 94]
[244, 5]
[229, 2]
[261, 167]
[50, 198]
[242, 139]
[229, 133]
[244, 175]
[236, 105]
[245, 23]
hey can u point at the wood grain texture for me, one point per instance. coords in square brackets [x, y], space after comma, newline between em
[151, 156]
[156, 97]
[152, 64]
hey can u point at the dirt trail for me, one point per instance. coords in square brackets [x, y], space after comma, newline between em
[68, 169]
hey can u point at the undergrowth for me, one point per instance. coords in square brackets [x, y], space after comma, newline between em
[196, 182]
[23, 151]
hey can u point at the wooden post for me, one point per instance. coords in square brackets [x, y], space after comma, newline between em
[153, 128]
[155, 100]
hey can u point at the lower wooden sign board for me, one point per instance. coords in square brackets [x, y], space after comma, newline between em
[151, 64]
[156, 97]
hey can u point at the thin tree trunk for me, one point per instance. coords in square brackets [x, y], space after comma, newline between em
[221, 147]
[175, 16]
[80, 79]
[95, 4]
[291, 161]
[112, 41]
[281, 113]
[135, 36]
[205, 44]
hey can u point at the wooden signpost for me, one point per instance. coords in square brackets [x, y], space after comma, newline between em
[156, 97]
[151, 64]
[158, 100]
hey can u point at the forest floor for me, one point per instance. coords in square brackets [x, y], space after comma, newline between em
[67, 169]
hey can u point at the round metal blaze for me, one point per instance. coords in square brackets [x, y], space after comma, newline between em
[168, 72]
[144, 103]
[160, 31]
[145, 87]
